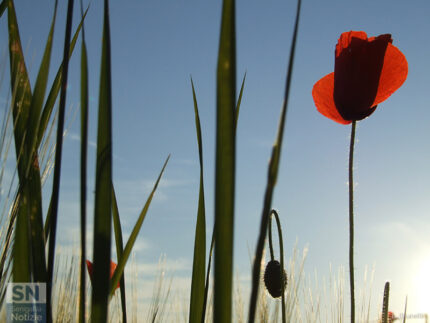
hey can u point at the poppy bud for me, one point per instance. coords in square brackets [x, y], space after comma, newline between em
[112, 270]
[272, 279]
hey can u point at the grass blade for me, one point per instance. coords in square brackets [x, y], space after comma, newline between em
[103, 195]
[48, 108]
[119, 250]
[83, 184]
[40, 87]
[133, 236]
[21, 100]
[59, 147]
[55, 88]
[199, 261]
[225, 165]
[272, 177]
[205, 297]
[32, 169]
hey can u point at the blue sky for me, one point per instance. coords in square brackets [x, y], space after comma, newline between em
[157, 45]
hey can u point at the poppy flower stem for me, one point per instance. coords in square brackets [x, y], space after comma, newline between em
[351, 221]
[281, 251]
[272, 254]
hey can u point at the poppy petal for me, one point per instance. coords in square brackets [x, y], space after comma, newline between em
[393, 75]
[322, 93]
[90, 269]
[345, 39]
[112, 271]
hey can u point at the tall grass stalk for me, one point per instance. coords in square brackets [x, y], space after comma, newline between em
[197, 298]
[225, 165]
[58, 153]
[103, 194]
[272, 176]
[83, 171]
[29, 218]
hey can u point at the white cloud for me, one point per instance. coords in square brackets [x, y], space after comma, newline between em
[77, 137]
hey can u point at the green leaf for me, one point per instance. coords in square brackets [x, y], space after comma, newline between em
[133, 236]
[225, 165]
[208, 271]
[199, 261]
[36, 220]
[271, 178]
[103, 194]
[21, 90]
[119, 250]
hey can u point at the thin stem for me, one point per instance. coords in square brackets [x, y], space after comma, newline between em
[272, 256]
[351, 221]
[58, 153]
[84, 147]
[281, 251]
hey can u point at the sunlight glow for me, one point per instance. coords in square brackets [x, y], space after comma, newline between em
[422, 283]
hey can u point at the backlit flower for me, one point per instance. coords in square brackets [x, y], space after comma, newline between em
[90, 270]
[367, 71]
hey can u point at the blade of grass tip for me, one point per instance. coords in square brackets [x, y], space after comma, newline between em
[239, 101]
[3, 6]
[133, 236]
[119, 250]
[103, 194]
[225, 165]
[83, 184]
[199, 261]
[21, 99]
[40, 88]
[55, 88]
[58, 153]
[272, 176]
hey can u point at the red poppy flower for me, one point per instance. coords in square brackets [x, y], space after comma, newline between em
[367, 71]
[90, 270]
